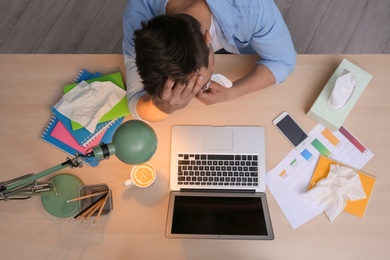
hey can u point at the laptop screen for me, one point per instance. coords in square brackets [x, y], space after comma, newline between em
[219, 215]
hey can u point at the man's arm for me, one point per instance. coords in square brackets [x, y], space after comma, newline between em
[139, 105]
[259, 78]
[272, 42]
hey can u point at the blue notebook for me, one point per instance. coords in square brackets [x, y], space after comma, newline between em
[69, 149]
[86, 75]
[82, 135]
[63, 146]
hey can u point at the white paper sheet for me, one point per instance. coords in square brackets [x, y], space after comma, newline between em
[288, 181]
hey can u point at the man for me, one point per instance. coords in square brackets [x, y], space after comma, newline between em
[175, 41]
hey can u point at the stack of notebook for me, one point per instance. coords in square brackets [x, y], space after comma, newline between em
[72, 137]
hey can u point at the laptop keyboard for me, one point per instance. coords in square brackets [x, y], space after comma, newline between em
[218, 170]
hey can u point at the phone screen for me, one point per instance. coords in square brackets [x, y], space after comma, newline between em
[291, 130]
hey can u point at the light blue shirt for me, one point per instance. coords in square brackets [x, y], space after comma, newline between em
[247, 26]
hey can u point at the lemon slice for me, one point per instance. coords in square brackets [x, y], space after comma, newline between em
[144, 175]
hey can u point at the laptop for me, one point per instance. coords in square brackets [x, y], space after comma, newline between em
[217, 181]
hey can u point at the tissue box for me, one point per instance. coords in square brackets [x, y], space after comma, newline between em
[333, 120]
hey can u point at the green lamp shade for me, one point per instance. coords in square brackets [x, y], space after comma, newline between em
[135, 142]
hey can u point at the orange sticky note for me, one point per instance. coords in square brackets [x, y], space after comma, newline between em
[357, 207]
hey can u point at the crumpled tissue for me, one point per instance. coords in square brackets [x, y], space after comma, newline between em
[222, 80]
[342, 90]
[87, 103]
[333, 192]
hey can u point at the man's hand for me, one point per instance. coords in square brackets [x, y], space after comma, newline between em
[216, 93]
[176, 96]
[260, 77]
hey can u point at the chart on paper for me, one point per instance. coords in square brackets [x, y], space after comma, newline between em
[297, 167]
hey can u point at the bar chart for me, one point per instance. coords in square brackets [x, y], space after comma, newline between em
[340, 145]
[288, 181]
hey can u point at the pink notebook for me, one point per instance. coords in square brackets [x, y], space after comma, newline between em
[61, 133]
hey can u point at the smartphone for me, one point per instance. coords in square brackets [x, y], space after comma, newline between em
[291, 130]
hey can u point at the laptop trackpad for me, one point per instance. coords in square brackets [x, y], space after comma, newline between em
[218, 139]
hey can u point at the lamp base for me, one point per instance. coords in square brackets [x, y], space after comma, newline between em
[66, 187]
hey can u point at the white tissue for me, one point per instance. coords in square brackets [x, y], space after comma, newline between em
[222, 80]
[342, 90]
[87, 103]
[333, 192]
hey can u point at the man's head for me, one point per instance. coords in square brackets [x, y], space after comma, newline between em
[169, 46]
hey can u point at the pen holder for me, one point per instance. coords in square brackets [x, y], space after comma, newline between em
[91, 189]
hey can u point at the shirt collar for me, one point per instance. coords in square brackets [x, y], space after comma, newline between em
[218, 38]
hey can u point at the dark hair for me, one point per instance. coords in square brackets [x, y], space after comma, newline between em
[169, 46]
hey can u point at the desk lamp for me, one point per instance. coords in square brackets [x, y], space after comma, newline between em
[134, 142]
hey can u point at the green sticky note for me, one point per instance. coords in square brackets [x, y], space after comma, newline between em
[119, 110]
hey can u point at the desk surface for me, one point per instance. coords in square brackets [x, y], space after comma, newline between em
[31, 84]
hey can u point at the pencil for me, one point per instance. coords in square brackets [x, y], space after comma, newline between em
[101, 209]
[86, 196]
[87, 208]
[89, 212]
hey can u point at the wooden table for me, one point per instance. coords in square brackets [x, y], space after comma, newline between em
[31, 84]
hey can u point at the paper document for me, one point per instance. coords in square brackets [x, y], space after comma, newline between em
[289, 180]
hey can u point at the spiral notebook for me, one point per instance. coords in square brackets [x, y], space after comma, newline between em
[86, 75]
[82, 135]
[58, 135]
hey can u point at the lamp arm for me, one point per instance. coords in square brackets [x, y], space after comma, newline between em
[28, 179]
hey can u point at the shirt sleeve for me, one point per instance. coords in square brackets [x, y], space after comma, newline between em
[274, 44]
[136, 11]
[135, 89]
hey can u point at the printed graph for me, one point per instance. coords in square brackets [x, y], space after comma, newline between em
[298, 166]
